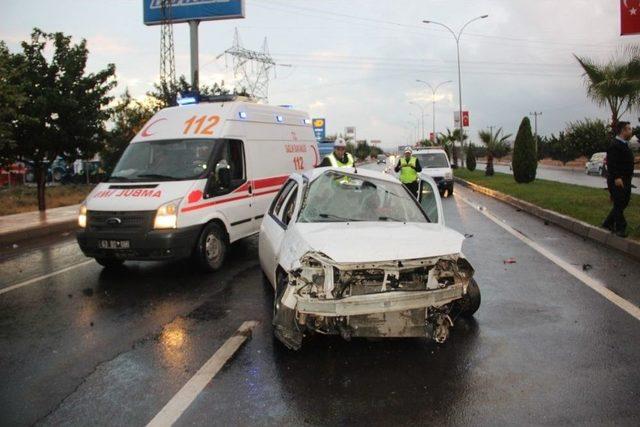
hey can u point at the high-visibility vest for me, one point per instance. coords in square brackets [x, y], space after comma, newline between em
[338, 164]
[407, 172]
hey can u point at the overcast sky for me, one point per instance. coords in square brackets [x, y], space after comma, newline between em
[356, 62]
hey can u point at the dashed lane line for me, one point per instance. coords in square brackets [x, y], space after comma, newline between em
[188, 393]
[594, 284]
[46, 276]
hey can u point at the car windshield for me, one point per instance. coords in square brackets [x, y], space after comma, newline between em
[343, 197]
[598, 156]
[432, 160]
[164, 160]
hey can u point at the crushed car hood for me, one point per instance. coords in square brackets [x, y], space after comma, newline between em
[373, 241]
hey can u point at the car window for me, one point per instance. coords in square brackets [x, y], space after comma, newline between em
[433, 160]
[289, 207]
[428, 201]
[278, 202]
[343, 197]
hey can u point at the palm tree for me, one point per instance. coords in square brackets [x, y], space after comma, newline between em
[448, 140]
[495, 143]
[616, 83]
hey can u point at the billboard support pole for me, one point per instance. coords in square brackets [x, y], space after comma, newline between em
[193, 37]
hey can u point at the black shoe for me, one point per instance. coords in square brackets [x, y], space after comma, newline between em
[622, 234]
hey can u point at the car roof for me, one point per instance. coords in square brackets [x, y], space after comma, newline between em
[312, 174]
[425, 150]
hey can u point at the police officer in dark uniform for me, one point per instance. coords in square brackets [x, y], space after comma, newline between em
[620, 172]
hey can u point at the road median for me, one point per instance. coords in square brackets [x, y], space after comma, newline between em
[580, 227]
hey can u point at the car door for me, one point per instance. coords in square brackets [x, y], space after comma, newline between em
[429, 199]
[274, 225]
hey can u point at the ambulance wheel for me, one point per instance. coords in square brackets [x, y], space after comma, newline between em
[212, 248]
[109, 262]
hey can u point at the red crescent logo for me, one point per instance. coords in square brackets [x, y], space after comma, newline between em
[316, 154]
[145, 132]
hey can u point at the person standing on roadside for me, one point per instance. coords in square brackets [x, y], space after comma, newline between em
[620, 164]
[409, 167]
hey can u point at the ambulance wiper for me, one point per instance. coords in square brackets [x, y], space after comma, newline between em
[157, 176]
[118, 178]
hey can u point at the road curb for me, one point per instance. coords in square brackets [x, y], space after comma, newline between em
[37, 231]
[582, 229]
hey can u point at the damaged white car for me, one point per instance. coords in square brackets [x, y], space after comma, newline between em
[352, 252]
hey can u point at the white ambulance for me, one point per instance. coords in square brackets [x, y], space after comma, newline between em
[195, 179]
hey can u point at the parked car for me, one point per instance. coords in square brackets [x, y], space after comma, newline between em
[354, 253]
[382, 160]
[597, 164]
[435, 163]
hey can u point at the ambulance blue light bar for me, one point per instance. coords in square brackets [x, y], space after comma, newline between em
[187, 98]
[279, 119]
[242, 114]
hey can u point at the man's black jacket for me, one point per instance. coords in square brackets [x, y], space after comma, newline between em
[619, 160]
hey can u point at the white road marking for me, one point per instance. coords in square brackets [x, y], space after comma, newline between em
[594, 284]
[188, 393]
[46, 276]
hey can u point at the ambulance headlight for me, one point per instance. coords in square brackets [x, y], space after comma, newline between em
[167, 216]
[82, 216]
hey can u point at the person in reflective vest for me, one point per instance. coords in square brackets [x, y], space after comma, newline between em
[339, 158]
[409, 166]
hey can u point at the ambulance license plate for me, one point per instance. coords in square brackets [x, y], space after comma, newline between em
[113, 244]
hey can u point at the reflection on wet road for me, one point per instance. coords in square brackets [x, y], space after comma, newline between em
[113, 347]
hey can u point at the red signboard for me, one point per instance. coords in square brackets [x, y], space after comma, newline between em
[629, 17]
[432, 137]
[465, 119]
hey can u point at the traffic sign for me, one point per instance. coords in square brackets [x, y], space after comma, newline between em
[191, 10]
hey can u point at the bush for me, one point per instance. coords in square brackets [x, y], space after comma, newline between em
[525, 156]
[588, 136]
[471, 158]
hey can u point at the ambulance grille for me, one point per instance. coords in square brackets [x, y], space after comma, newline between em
[120, 221]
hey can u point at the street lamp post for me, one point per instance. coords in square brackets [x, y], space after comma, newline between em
[457, 39]
[434, 90]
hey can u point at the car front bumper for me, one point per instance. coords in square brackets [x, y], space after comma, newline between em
[384, 302]
[143, 245]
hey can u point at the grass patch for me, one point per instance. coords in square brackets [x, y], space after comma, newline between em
[25, 198]
[587, 204]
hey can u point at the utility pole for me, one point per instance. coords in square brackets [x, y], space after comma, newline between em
[433, 101]
[422, 112]
[535, 115]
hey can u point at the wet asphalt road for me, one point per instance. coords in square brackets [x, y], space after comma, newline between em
[89, 346]
[566, 176]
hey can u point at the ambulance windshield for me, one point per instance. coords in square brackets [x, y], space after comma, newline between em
[164, 160]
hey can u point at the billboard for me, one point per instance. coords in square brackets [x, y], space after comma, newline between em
[319, 128]
[192, 10]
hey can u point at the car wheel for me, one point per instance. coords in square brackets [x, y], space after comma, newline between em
[470, 303]
[212, 248]
[110, 262]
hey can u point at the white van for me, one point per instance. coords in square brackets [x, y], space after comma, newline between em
[435, 163]
[195, 179]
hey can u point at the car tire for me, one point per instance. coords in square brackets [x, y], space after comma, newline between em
[110, 262]
[470, 303]
[212, 248]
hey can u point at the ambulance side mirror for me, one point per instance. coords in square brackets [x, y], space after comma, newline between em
[223, 175]
[219, 180]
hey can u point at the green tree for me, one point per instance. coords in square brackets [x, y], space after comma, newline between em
[449, 140]
[362, 150]
[495, 144]
[588, 136]
[65, 108]
[128, 116]
[525, 154]
[615, 83]
[166, 93]
[560, 149]
[12, 97]
[471, 158]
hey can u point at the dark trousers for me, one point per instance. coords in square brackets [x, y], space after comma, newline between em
[620, 197]
[413, 187]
